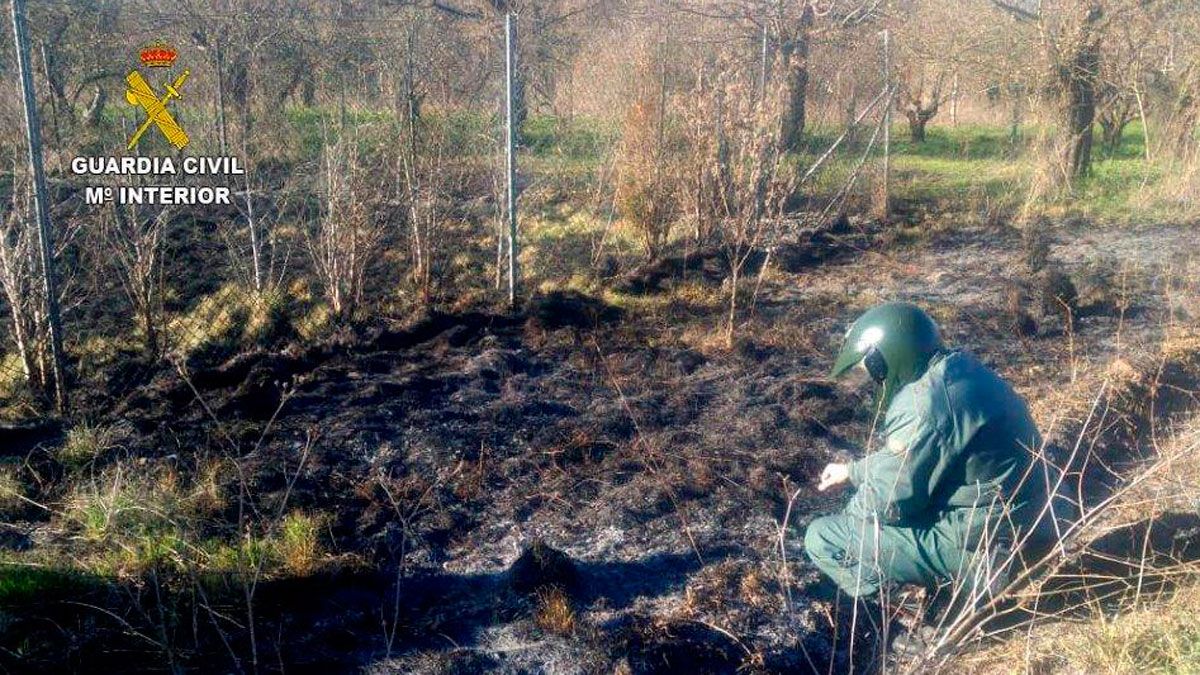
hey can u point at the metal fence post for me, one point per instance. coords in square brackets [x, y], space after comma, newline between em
[41, 205]
[510, 46]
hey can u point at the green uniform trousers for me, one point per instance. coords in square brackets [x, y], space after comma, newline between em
[862, 555]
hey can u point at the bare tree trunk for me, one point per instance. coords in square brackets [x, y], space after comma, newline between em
[793, 52]
[918, 108]
[1081, 114]
[916, 128]
[918, 119]
[1079, 77]
[954, 100]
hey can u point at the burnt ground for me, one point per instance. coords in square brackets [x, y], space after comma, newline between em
[472, 468]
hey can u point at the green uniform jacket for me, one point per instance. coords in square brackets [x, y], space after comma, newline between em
[957, 437]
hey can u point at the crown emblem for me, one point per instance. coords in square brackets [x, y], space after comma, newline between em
[158, 55]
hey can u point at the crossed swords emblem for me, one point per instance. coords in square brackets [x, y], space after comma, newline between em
[140, 93]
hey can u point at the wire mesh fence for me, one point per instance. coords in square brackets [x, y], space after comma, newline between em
[375, 180]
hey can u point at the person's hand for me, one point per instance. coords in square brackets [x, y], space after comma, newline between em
[833, 475]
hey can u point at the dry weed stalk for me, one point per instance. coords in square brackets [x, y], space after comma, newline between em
[345, 239]
[1015, 591]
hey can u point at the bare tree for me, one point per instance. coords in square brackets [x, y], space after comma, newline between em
[344, 240]
[794, 29]
[786, 29]
[18, 279]
[920, 100]
[1071, 33]
[135, 239]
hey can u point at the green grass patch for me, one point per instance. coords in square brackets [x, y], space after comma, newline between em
[581, 138]
[293, 547]
[24, 584]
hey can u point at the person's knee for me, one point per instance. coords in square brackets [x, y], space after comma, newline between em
[817, 539]
[830, 544]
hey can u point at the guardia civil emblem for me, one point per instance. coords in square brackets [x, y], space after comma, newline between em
[140, 93]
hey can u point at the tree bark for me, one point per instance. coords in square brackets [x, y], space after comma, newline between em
[1111, 131]
[793, 51]
[916, 127]
[1079, 76]
[919, 114]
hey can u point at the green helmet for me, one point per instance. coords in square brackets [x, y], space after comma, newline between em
[894, 341]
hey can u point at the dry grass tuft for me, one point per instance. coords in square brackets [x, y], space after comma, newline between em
[1158, 638]
[554, 612]
[208, 492]
[11, 490]
[299, 546]
[86, 442]
[1182, 346]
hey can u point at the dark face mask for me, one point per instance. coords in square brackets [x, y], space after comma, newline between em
[875, 365]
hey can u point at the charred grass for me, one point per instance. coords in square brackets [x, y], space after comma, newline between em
[597, 479]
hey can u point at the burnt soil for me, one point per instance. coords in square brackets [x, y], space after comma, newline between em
[471, 466]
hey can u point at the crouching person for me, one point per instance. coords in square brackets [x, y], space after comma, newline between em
[956, 485]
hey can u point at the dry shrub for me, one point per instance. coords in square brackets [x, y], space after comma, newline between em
[645, 192]
[735, 168]
[25, 333]
[1050, 175]
[1171, 140]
